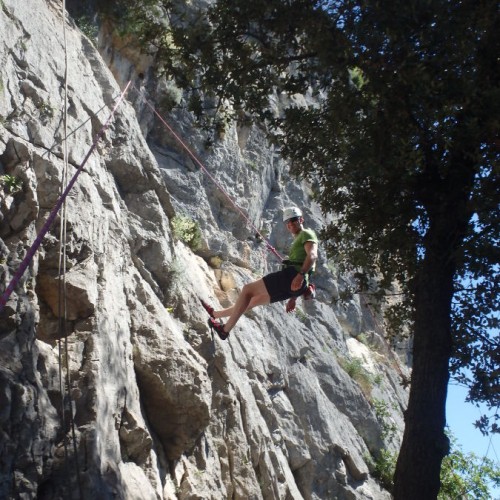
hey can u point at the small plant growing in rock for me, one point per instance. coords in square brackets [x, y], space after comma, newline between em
[301, 315]
[45, 109]
[175, 274]
[364, 340]
[22, 46]
[383, 415]
[87, 27]
[355, 369]
[187, 230]
[384, 467]
[171, 96]
[10, 183]
[252, 164]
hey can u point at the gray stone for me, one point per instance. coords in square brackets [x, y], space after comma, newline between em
[160, 410]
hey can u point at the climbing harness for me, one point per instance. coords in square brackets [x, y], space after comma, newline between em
[38, 240]
[310, 291]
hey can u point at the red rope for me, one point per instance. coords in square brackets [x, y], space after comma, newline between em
[36, 244]
[212, 178]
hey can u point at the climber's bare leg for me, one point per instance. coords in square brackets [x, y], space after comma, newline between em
[252, 295]
[261, 300]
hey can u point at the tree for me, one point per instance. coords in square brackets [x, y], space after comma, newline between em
[465, 474]
[401, 138]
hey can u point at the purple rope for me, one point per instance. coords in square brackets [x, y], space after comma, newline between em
[38, 241]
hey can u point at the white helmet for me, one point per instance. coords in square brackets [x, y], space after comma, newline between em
[291, 212]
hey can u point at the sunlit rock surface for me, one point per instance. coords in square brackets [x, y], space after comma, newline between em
[290, 407]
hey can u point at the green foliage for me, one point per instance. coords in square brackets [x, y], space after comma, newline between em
[87, 27]
[10, 183]
[357, 78]
[301, 315]
[355, 369]
[22, 45]
[383, 415]
[171, 96]
[402, 140]
[362, 337]
[187, 230]
[384, 466]
[251, 164]
[465, 475]
[46, 110]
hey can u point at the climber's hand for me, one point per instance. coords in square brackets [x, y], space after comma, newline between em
[290, 305]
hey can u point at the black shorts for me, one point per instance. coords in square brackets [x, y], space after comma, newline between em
[279, 284]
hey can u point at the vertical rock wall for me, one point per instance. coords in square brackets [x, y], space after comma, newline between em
[136, 401]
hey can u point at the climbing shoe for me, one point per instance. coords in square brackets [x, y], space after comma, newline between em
[209, 309]
[310, 292]
[218, 327]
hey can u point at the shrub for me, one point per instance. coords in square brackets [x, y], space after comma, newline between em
[384, 468]
[355, 369]
[187, 230]
[383, 415]
[463, 475]
[171, 96]
[87, 27]
[10, 183]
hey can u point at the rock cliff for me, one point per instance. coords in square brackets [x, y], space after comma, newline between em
[128, 396]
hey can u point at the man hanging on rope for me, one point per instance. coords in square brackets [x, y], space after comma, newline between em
[289, 283]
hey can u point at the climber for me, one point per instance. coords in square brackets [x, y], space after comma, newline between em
[288, 283]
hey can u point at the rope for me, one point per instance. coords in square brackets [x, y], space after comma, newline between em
[36, 244]
[66, 398]
[62, 247]
[212, 178]
[75, 130]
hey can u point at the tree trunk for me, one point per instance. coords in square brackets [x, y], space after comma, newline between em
[424, 442]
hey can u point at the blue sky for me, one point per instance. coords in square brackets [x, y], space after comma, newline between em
[461, 417]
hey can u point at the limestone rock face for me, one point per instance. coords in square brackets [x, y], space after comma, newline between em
[111, 385]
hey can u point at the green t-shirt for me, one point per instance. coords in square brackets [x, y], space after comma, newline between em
[298, 254]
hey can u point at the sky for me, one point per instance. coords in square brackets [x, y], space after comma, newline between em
[461, 417]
